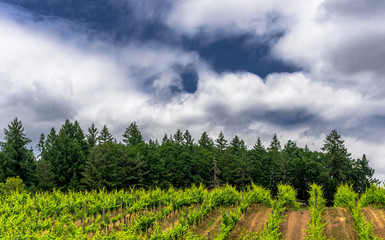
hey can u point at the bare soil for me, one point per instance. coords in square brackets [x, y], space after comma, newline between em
[339, 224]
[210, 225]
[295, 225]
[169, 221]
[253, 221]
[377, 217]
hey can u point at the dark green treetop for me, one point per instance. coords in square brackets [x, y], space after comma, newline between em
[132, 136]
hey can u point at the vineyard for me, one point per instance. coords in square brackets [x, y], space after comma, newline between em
[193, 213]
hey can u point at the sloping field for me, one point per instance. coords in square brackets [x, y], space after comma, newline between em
[168, 222]
[339, 224]
[253, 221]
[210, 226]
[295, 224]
[377, 217]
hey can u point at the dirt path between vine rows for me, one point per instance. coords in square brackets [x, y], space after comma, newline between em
[339, 224]
[210, 226]
[253, 221]
[295, 224]
[377, 217]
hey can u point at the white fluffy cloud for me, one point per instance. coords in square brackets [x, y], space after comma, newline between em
[46, 78]
[235, 17]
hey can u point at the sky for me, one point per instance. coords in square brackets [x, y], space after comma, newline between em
[252, 68]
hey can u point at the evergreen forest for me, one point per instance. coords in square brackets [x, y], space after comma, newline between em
[72, 159]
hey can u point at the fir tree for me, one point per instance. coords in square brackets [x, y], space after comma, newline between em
[92, 136]
[132, 136]
[338, 163]
[206, 142]
[45, 175]
[105, 136]
[178, 137]
[188, 141]
[17, 159]
[221, 142]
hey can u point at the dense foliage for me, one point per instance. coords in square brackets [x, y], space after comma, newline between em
[286, 198]
[138, 213]
[70, 159]
[317, 219]
[80, 215]
[346, 197]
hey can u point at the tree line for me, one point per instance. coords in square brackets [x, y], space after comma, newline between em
[71, 159]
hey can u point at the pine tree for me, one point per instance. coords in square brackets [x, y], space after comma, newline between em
[275, 145]
[338, 163]
[206, 142]
[258, 166]
[275, 159]
[221, 142]
[105, 136]
[18, 159]
[178, 137]
[45, 175]
[132, 136]
[236, 170]
[165, 139]
[188, 141]
[67, 152]
[92, 136]
[40, 145]
[101, 169]
[363, 174]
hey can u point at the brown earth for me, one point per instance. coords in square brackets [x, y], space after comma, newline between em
[210, 225]
[295, 224]
[168, 222]
[253, 221]
[377, 217]
[339, 224]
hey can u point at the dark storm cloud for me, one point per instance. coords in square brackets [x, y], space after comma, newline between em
[365, 53]
[44, 106]
[198, 65]
[360, 46]
[355, 8]
[141, 21]
[289, 118]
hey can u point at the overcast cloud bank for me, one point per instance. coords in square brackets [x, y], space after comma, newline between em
[55, 68]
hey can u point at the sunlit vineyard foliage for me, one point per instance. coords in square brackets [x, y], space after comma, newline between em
[139, 213]
[316, 205]
[346, 197]
[123, 214]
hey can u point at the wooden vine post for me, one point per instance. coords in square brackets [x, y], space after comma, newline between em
[315, 203]
[121, 210]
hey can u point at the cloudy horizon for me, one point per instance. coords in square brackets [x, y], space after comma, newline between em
[294, 68]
